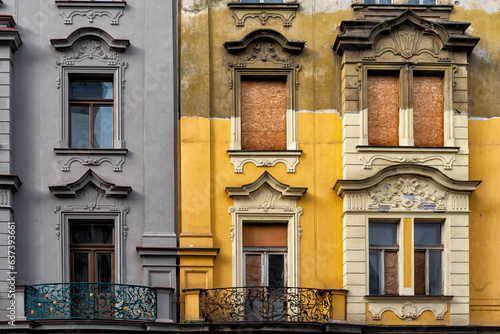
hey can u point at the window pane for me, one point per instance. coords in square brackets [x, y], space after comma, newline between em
[276, 267]
[104, 267]
[385, 2]
[435, 273]
[427, 234]
[80, 127]
[92, 89]
[429, 2]
[390, 273]
[85, 233]
[80, 267]
[369, 2]
[263, 114]
[419, 278]
[253, 270]
[375, 272]
[103, 127]
[383, 234]
[413, 2]
[383, 110]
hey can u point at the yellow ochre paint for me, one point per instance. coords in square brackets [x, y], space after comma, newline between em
[408, 252]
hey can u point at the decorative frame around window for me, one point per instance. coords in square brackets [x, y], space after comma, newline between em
[264, 53]
[266, 200]
[90, 198]
[284, 10]
[89, 52]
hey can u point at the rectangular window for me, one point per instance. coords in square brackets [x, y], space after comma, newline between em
[91, 104]
[263, 114]
[428, 109]
[383, 275]
[383, 109]
[428, 272]
[92, 251]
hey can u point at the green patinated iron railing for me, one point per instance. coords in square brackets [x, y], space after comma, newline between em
[90, 301]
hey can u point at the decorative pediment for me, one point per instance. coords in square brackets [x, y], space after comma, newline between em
[264, 36]
[406, 187]
[93, 181]
[266, 183]
[63, 44]
[407, 35]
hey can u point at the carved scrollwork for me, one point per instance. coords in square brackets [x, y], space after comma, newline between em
[408, 194]
[408, 311]
[91, 14]
[116, 162]
[446, 160]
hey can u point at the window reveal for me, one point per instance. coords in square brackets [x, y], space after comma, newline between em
[263, 115]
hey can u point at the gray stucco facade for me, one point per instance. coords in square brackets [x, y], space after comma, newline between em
[48, 183]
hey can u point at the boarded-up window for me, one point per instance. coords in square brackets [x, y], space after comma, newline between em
[383, 110]
[420, 273]
[263, 114]
[264, 235]
[428, 110]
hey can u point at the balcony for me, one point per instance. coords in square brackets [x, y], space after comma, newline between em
[90, 301]
[271, 304]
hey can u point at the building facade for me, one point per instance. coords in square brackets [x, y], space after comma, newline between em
[249, 165]
[89, 144]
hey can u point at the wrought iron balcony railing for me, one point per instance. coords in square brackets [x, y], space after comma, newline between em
[90, 301]
[279, 304]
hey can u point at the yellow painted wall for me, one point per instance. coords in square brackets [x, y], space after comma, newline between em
[205, 168]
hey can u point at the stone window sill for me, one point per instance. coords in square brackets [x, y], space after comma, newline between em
[264, 11]
[91, 157]
[264, 158]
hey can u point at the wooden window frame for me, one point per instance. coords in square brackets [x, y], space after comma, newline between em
[92, 250]
[406, 138]
[90, 103]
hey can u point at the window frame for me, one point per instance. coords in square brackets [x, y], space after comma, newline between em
[90, 103]
[406, 101]
[426, 249]
[265, 252]
[89, 73]
[383, 249]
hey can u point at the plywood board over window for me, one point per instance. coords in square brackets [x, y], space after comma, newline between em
[263, 115]
[383, 110]
[428, 110]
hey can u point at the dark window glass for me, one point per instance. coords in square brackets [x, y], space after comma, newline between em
[276, 270]
[86, 233]
[92, 89]
[427, 234]
[375, 272]
[80, 267]
[103, 127]
[80, 123]
[435, 273]
[104, 267]
[383, 234]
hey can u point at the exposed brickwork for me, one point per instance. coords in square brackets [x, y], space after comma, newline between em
[428, 110]
[383, 110]
[263, 115]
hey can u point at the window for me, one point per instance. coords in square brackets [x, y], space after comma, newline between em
[406, 108]
[91, 112]
[383, 276]
[428, 272]
[92, 251]
[263, 114]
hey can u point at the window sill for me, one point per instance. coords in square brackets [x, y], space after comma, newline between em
[385, 11]
[408, 298]
[91, 157]
[91, 9]
[263, 11]
[408, 154]
[264, 158]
